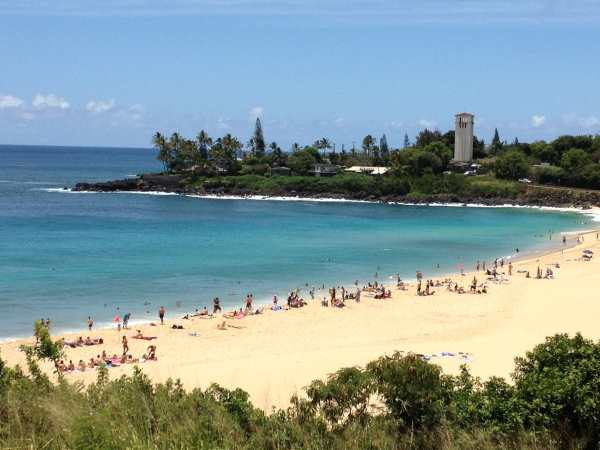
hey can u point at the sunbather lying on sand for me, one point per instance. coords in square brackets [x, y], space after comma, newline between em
[140, 335]
[224, 325]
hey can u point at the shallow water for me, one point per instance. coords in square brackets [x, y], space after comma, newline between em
[69, 255]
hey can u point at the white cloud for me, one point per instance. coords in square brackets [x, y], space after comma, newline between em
[100, 106]
[256, 112]
[427, 123]
[538, 121]
[340, 122]
[10, 101]
[41, 101]
[27, 116]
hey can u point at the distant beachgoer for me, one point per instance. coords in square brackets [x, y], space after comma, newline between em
[510, 267]
[125, 345]
[117, 320]
[216, 305]
[126, 318]
[564, 240]
[161, 315]
[90, 323]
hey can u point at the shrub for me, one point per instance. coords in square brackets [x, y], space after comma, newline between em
[559, 384]
[512, 165]
[415, 392]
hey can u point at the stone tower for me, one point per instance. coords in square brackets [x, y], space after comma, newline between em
[463, 137]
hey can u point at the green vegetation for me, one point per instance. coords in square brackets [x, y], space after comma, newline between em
[395, 402]
[416, 171]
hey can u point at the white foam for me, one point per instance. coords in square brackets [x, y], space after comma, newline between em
[71, 191]
[594, 213]
[276, 198]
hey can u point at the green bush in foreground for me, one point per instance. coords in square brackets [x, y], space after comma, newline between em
[395, 402]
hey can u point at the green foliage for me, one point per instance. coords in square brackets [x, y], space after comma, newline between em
[302, 162]
[512, 165]
[343, 398]
[574, 160]
[415, 392]
[415, 162]
[396, 402]
[559, 385]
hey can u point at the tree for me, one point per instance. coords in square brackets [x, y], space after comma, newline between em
[427, 136]
[258, 140]
[558, 384]
[512, 165]
[478, 148]
[496, 146]
[414, 392]
[278, 158]
[406, 141]
[301, 162]
[204, 142]
[383, 148]
[322, 144]
[224, 153]
[367, 144]
[441, 151]
[574, 160]
[164, 152]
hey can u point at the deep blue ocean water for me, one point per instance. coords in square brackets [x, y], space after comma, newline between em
[69, 255]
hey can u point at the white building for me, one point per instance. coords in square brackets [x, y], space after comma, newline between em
[370, 170]
[463, 137]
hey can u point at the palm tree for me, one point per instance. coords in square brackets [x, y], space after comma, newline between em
[204, 142]
[164, 154]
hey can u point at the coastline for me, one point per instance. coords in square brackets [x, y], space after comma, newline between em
[274, 355]
[590, 211]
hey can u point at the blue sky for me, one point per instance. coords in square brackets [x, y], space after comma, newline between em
[88, 72]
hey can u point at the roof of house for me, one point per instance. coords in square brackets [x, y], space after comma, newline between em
[373, 170]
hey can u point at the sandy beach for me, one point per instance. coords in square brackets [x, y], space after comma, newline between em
[278, 353]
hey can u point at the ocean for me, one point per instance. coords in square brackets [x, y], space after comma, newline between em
[67, 256]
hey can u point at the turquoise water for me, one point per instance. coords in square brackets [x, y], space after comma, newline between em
[69, 255]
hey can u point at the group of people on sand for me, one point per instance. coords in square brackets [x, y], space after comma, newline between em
[108, 361]
[80, 342]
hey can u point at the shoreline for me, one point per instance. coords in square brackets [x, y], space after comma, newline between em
[522, 256]
[541, 251]
[593, 211]
[275, 355]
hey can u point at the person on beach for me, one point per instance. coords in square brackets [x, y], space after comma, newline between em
[126, 318]
[117, 320]
[161, 315]
[510, 267]
[125, 345]
[249, 303]
[216, 305]
[90, 323]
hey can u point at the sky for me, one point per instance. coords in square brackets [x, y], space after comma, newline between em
[113, 72]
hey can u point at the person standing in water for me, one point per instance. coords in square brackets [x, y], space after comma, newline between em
[90, 323]
[161, 315]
